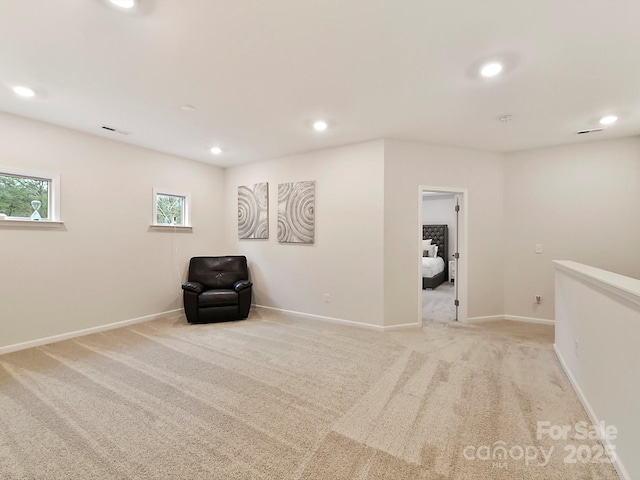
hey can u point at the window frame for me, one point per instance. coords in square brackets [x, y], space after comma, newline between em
[53, 216]
[186, 215]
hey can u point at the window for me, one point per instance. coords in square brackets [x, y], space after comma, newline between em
[28, 196]
[170, 208]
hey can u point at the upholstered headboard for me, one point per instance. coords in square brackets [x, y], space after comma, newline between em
[439, 235]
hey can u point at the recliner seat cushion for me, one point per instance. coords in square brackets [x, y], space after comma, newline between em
[217, 298]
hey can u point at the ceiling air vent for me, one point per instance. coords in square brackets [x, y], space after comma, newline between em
[593, 130]
[116, 130]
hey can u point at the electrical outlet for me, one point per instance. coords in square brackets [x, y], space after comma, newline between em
[538, 298]
[327, 298]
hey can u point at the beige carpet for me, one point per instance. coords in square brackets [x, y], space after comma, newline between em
[278, 398]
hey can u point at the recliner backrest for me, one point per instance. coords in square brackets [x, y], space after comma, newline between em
[218, 272]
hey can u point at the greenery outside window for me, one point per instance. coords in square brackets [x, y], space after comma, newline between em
[22, 193]
[171, 208]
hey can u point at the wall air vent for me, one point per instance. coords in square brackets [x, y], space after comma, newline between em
[593, 130]
[116, 130]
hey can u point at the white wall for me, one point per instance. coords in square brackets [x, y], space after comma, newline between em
[104, 265]
[440, 210]
[582, 203]
[409, 165]
[597, 331]
[346, 258]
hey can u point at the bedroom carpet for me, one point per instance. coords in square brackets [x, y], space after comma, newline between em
[277, 397]
[437, 304]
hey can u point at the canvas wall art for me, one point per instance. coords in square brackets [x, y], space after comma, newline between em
[253, 211]
[296, 212]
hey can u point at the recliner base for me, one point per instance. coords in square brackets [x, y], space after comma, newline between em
[216, 314]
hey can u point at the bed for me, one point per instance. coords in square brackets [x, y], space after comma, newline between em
[434, 270]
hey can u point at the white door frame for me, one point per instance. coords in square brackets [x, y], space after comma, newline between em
[463, 229]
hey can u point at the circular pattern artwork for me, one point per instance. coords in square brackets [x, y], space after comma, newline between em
[296, 212]
[253, 209]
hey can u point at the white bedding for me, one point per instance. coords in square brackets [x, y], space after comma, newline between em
[432, 266]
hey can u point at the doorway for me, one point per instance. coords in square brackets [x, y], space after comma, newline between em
[443, 277]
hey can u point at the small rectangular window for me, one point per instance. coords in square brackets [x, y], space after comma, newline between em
[26, 196]
[170, 208]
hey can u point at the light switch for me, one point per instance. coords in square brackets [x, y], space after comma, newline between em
[538, 248]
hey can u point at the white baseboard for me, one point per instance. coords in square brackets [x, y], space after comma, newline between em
[87, 331]
[489, 318]
[511, 318]
[542, 321]
[340, 321]
[402, 326]
[622, 472]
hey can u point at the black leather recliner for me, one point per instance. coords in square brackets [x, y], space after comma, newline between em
[218, 289]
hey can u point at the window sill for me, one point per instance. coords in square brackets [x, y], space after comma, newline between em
[173, 228]
[28, 223]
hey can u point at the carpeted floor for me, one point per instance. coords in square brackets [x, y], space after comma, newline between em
[437, 304]
[277, 397]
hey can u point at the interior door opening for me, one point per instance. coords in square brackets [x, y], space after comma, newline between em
[442, 266]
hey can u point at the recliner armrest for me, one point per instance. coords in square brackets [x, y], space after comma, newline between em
[194, 287]
[241, 285]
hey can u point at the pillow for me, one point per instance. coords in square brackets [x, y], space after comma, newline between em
[435, 253]
[425, 247]
[429, 251]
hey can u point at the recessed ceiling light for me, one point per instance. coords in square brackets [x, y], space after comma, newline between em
[216, 150]
[188, 108]
[506, 118]
[320, 125]
[24, 91]
[491, 69]
[608, 120]
[124, 3]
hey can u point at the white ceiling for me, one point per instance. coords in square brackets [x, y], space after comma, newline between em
[260, 71]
